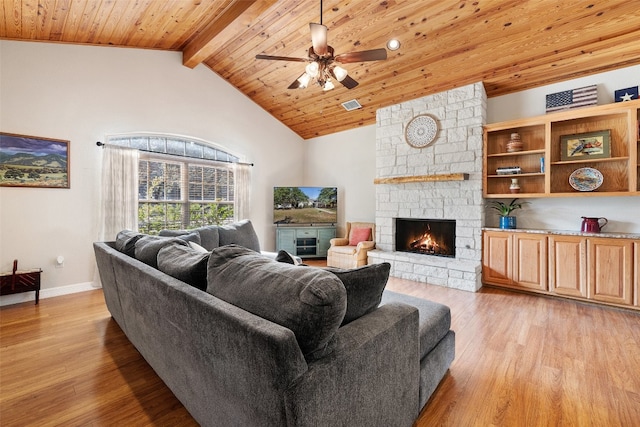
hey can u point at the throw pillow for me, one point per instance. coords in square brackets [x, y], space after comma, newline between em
[311, 302]
[364, 287]
[196, 247]
[209, 238]
[239, 233]
[284, 256]
[147, 248]
[184, 264]
[126, 241]
[358, 235]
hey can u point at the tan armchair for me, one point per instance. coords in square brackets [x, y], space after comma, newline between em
[343, 255]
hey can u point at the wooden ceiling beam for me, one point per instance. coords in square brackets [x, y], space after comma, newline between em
[234, 20]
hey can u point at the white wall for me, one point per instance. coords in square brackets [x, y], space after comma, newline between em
[82, 93]
[565, 213]
[347, 160]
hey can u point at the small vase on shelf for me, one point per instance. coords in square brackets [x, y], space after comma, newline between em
[515, 143]
[515, 186]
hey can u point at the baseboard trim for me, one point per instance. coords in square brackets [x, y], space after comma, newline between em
[47, 293]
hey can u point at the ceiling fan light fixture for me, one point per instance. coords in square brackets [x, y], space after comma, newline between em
[312, 69]
[393, 44]
[340, 73]
[304, 80]
[328, 85]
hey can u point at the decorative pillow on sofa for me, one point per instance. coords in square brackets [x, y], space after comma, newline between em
[239, 233]
[309, 301]
[126, 242]
[184, 264]
[364, 287]
[209, 237]
[286, 257]
[147, 247]
[358, 235]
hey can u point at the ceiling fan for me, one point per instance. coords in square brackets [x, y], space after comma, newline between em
[322, 63]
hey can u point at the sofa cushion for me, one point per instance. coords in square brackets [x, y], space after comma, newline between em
[184, 263]
[209, 237]
[197, 247]
[239, 233]
[358, 235]
[147, 248]
[309, 301]
[434, 319]
[364, 287]
[126, 241]
[284, 256]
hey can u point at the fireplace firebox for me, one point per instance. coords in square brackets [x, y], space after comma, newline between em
[426, 236]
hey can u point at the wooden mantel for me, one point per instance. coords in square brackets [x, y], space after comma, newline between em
[422, 178]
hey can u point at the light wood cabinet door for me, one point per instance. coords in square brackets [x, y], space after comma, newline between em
[567, 265]
[610, 263]
[636, 273]
[530, 261]
[497, 258]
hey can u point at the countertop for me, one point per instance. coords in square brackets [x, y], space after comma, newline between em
[611, 235]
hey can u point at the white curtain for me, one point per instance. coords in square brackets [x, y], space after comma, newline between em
[119, 189]
[242, 188]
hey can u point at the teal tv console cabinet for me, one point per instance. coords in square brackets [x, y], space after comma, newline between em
[305, 242]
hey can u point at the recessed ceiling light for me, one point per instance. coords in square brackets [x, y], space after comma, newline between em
[393, 44]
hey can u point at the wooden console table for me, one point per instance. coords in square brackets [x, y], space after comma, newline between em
[20, 281]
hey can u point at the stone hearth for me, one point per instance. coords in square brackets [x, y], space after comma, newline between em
[461, 113]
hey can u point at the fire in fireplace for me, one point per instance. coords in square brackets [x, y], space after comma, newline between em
[426, 236]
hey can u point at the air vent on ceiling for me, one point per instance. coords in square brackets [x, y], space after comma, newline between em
[351, 105]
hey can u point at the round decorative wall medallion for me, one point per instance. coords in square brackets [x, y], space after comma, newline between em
[421, 131]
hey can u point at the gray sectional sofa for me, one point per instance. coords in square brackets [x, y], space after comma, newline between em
[244, 340]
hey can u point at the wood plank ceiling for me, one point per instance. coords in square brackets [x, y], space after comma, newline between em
[510, 45]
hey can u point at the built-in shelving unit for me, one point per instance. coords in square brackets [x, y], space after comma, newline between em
[541, 137]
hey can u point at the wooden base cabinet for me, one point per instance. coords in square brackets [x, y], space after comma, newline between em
[599, 269]
[497, 258]
[636, 273]
[515, 260]
[568, 266]
[610, 270]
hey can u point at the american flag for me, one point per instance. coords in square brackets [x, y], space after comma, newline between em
[574, 98]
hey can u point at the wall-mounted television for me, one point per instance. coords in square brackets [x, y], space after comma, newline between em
[305, 205]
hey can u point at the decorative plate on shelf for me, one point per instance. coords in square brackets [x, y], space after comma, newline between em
[586, 179]
[421, 131]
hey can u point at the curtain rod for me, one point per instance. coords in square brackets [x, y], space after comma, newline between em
[102, 144]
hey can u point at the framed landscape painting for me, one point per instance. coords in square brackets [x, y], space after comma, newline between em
[31, 161]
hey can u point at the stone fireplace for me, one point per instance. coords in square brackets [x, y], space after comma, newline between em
[426, 236]
[442, 181]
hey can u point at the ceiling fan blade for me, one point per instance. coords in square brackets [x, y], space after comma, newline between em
[296, 83]
[362, 56]
[319, 38]
[281, 58]
[349, 83]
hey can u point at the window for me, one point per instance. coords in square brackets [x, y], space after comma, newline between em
[182, 183]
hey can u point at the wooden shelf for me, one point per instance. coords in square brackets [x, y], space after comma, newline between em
[610, 159]
[517, 153]
[422, 178]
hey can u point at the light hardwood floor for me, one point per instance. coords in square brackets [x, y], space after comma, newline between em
[521, 360]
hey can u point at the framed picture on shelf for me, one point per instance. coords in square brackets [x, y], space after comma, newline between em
[32, 161]
[585, 146]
